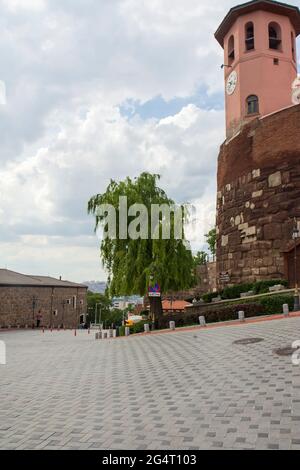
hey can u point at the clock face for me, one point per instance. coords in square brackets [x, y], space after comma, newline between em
[231, 83]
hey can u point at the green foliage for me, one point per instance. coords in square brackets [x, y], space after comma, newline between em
[108, 315]
[134, 329]
[210, 296]
[115, 316]
[211, 238]
[94, 299]
[130, 263]
[266, 305]
[273, 304]
[262, 287]
[122, 331]
[200, 259]
[213, 315]
[234, 292]
[138, 327]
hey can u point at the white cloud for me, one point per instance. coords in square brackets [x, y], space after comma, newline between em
[67, 68]
[55, 183]
[16, 5]
[2, 93]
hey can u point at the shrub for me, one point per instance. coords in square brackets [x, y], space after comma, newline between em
[234, 292]
[122, 331]
[138, 327]
[262, 287]
[212, 315]
[209, 296]
[273, 303]
[134, 329]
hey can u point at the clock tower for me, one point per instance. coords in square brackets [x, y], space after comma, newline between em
[259, 42]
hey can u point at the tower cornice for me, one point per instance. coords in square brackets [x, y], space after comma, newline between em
[271, 6]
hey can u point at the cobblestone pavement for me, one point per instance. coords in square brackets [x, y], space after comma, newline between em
[187, 390]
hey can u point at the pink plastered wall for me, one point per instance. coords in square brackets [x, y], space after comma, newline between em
[257, 73]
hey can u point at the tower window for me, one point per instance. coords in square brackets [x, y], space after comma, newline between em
[275, 36]
[293, 46]
[252, 105]
[249, 31]
[231, 52]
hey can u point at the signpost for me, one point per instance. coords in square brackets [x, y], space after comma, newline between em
[154, 293]
[224, 277]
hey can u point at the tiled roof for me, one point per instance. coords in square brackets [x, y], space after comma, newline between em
[11, 278]
[175, 305]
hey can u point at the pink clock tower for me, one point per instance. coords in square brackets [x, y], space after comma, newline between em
[259, 42]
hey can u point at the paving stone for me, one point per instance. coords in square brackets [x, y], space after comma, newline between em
[162, 392]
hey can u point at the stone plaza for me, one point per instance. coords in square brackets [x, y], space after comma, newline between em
[189, 390]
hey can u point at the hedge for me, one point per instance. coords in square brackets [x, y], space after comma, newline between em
[234, 292]
[267, 305]
[134, 329]
[226, 313]
[273, 304]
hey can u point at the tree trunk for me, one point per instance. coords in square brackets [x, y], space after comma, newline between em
[156, 310]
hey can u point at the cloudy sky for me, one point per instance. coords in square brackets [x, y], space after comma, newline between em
[100, 89]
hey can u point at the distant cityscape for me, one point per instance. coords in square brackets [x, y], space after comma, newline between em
[121, 303]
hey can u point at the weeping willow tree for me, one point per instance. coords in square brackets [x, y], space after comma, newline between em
[136, 262]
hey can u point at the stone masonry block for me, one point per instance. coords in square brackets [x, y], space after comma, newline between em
[275, 180]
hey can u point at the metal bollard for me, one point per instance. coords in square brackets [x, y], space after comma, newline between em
[286, 310]
[242, 316]
[127, 331]
[202, 321]
[172, 325]
[146, 328]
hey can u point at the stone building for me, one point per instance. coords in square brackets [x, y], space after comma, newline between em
[206, 276]
[259, 163]
[26, 299]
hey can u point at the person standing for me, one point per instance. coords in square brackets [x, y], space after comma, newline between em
[38, 319]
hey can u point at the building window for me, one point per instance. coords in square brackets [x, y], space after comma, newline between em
[274, 36]
[252, 105]
[249, 36]
[293, 47]
[231, 52]
[74, 301]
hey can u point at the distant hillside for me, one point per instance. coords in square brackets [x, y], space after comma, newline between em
[98, 287]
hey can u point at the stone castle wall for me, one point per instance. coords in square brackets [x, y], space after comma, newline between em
[258, 197]
[206, 275]
[16, 306]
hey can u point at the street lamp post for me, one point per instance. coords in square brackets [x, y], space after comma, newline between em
[63, 312]
[34, 302]
[296, 235]
[100, 305]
